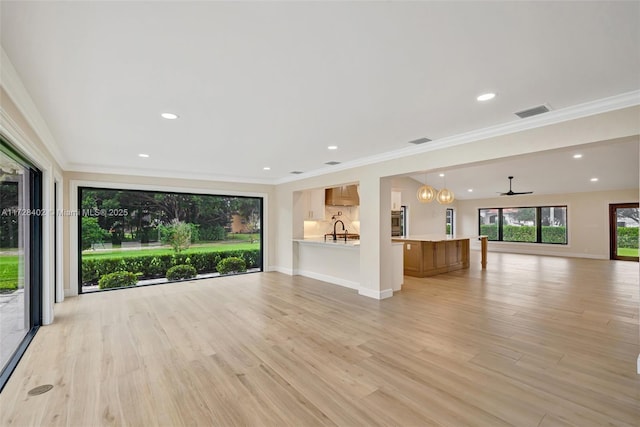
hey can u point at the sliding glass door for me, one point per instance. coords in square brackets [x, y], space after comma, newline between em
[623, 231]
[20, 256]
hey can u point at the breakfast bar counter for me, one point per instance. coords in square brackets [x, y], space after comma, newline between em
[431, 254]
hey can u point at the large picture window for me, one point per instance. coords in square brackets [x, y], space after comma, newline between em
[541, 224]
[131, 237]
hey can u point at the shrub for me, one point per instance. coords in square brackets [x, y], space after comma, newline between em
[180, 272]
[231, 265]
[118, 279]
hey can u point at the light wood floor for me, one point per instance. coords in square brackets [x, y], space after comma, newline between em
[532, 341]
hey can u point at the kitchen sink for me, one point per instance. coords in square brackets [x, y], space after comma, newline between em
[342, 236]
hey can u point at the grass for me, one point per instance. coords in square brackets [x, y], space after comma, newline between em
[8, 272]
[628, 252]
[210, 247]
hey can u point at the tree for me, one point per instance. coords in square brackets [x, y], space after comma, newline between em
[631, 213]
[91, 232]
[177, 235]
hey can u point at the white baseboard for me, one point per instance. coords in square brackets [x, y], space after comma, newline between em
[536, 251]
[330, 279]
[70, 293]
[279, 269]
[386, 293]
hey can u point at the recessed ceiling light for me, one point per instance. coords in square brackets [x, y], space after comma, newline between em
[486, 96]
[332, 147]
[144, 156]
[169, 116]
[441, 175]
[577, 156]
[470, 190]
[594, 179]
[266, 168]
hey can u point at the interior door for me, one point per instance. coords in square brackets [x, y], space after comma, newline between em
[623, 231]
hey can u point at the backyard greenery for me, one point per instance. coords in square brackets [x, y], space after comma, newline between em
[117, 279]
[8, 272]
[180, 272]
[154, 234]
[149, 266]
[231, 265]
[525, 233]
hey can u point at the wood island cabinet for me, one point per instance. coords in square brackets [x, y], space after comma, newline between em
[423, 258]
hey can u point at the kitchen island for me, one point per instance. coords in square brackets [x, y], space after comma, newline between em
[431, 254]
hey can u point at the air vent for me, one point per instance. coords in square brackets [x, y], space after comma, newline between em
[332, 163]
[419, 141]
[296, 172]
[533, 111]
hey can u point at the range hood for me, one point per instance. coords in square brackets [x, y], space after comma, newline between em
[346, 195]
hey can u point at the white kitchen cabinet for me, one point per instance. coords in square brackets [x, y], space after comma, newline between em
[314, 205]
[396, 200]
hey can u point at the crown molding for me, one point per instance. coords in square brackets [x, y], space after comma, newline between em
[12, 84]
[600, 106]
[157, 173]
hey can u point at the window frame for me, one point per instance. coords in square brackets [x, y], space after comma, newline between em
[90, 186]
[538, 223]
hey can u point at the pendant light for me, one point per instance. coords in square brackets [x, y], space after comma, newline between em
[426, 193]
[445, 196]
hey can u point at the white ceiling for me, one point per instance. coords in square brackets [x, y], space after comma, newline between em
[274, 83]
[613, 163]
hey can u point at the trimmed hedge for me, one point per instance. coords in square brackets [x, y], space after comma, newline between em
[514, 233]
[628, 237]
[118, 279]
[182, 271]
[231, 265]
[489, 230]
[153, 266]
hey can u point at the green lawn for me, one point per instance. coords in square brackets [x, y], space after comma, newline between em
[8, 272]
[210, 247]
[628, 252]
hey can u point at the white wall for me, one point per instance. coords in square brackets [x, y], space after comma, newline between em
[587, 222]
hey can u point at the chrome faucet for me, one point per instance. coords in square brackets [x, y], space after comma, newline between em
[334, 229]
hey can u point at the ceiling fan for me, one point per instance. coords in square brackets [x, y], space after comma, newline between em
[514, 193]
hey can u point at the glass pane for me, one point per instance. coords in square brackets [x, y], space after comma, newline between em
[449, 221]
[519, 224]
[627, 232]
[489, 223]
[14, 235]
[554, 224]
[147, 234]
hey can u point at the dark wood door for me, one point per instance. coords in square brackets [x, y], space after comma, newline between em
[623, 231]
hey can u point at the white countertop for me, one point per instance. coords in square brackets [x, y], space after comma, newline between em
[430, 237]
[329, 242]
